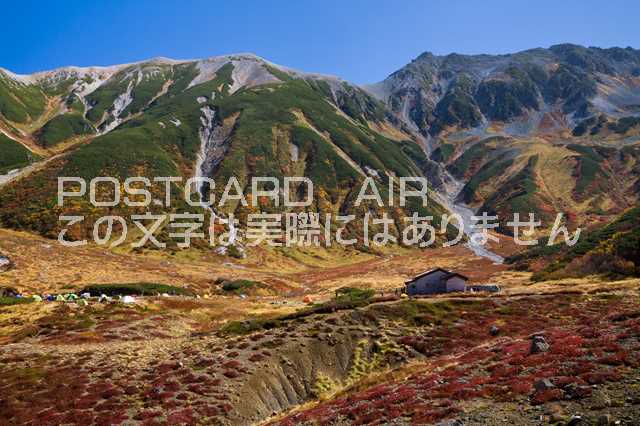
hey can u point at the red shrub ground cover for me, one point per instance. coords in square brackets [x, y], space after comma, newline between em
[503, 369]
[591, 342]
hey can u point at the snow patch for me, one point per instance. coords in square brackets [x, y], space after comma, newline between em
[120, 104]
[294, 151]
[370, 171]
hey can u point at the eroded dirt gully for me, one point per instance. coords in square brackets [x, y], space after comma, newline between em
[591, 368]
[406, 361]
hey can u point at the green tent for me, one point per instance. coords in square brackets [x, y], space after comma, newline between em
[71, 296]
[60, 298]
[37, 298]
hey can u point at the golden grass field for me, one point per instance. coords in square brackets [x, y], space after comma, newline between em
[44, 266]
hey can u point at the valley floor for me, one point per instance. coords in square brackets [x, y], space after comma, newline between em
[270, 357]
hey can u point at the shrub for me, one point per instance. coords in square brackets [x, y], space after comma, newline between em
[140, 289]
[350, 294]
[256, 357]
[323, 385]
[249, 326]
[9, 301]
[233, 251]
[240, 286]
[231, 374]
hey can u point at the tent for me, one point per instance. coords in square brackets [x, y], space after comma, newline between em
[85, 295]
[104, 299]
[128, 300]
[37, 298]
[59, 298]
[71, 296]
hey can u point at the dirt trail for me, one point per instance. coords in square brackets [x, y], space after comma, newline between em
[26, 171]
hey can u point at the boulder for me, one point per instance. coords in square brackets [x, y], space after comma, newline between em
[5, 263]
[574, 420]
[600, 400]
[574, 391]
[538, 344]
[556, 413]
[605, 420]
[543, 385]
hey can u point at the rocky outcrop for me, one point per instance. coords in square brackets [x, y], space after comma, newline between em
[5, 263]
[538, 344]
[572, 80]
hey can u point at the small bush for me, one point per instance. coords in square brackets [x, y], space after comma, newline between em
[240, 286]
[350, 294]
[249, 326]
[139, 289]
[231, 374]
[9, 301]
[233, 251]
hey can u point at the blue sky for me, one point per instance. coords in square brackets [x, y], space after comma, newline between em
[361, 41]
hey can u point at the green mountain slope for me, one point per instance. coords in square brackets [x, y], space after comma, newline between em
[521, 133]
[63, 127]
[171, 119]
[13, 155]
[19, 102]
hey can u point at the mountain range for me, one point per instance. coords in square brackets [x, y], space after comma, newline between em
[542, 131]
